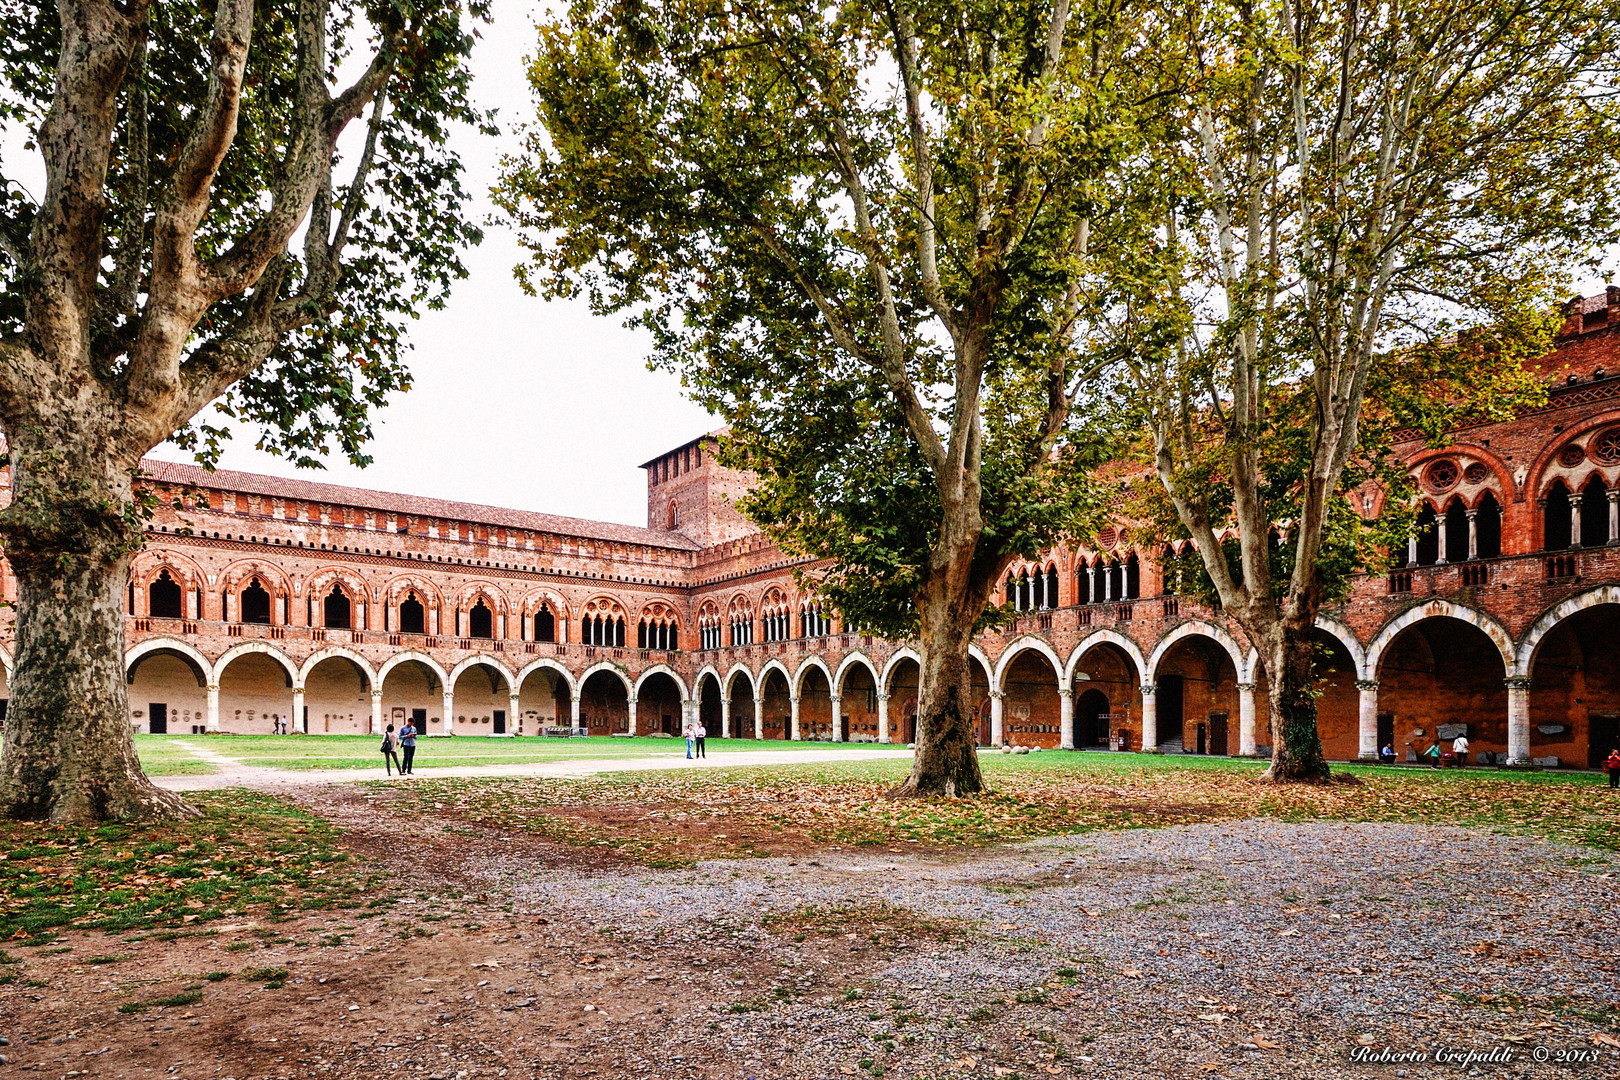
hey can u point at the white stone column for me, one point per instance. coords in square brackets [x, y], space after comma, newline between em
[1518, 692]
[376, 712]
[1245, 719]
[883, 718]
[725, 717]
[1368, 727]
[1575, 519]
[513, 715]
[573, 710]
[1473, 533]
[212, 716]
[1440, 540]
[1614, 515]
[837, 721]
[1066, 717]
[450, 709]
[1150, 716]
[997, 713]
[793, 719]
[759, 716]
[1091, 583]
[298, 711]
[630, 706]
[1411, 551]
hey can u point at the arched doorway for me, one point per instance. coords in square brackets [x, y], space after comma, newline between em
[1438, 678]
[167, 693]
[658, 706]
[709, 704]
[544, 701]
[482, 700]
[1197, 704]
[604, 704]
[255, 696]
[778, 706]
[740, 707]
[815, 705]
[1575, 690]
[1107, 704]
[1033, 715]
[413, 691]
[337, 694]
[857, 717]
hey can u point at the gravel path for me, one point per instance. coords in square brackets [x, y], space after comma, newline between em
[232, 773]
[1248, 949]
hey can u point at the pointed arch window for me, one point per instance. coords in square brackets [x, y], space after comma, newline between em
[480, 620]
[255, 603]
[412, 615]
[545, 624]
[164, 597]
[337, 609]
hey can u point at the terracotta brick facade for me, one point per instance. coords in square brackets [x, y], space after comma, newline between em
[268, 604]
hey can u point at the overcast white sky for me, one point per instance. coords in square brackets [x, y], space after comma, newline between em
[518, 402]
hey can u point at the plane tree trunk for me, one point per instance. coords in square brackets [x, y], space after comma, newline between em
[1290, 667]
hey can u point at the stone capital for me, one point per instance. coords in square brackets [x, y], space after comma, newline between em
[1149, 689]
[1366, 684]
[1245, 687]
[997, 695]
[1517, 682]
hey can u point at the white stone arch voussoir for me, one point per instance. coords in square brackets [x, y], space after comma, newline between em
[549, 665]
[804, 669]
[483, 660]
[407, 655]
[1525, 658]
[258, 647]
[774, 664]
[1436, 609]
[854, 658]
[905, 652]
[337, 651]
[663, 669]
[612, 668]
[152, 645]
[738, 668]
[1025, 644]
[697, 680]
[1106, 637]
[1347, 638]
[1197, 628]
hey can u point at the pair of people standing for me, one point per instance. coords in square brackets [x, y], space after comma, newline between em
[696, 741]
[406, 742]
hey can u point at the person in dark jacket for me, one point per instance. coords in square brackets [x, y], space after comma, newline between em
[407, 742]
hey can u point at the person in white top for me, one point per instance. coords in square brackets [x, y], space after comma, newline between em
[1459, 746]
[688, 742]
[702, 734]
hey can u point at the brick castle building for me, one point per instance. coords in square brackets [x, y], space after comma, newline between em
[285, 603]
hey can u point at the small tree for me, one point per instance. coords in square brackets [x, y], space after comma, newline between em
[862, 234]
[1347, 188]
[185, 146]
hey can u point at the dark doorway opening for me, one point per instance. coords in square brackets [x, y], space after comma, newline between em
[499, 722]
[1094, 718]
[1386, 731]
[1170, 705]
[1217, 733]
[1603, 736]
[158, 718]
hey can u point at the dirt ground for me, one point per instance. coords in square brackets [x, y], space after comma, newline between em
[1236, 949]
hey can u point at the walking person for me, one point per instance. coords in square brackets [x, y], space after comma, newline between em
[702, 735]
[407, 740]
[689, 738]
[388, 753]
[1613, 767]
[1459, 746]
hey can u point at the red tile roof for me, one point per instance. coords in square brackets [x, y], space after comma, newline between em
[169, 472]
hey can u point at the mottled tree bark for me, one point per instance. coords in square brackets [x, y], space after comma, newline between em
[1297, 743]
[947, 761]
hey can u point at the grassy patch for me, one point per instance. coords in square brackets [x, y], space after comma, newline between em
[677, 818]
[187, 997]
[878, 921]
[161, 755]
[249, 852]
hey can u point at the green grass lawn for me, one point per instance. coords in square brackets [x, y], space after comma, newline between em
[681, 816]
[300, 752]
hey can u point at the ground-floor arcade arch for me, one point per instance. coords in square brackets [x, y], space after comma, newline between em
[1107, 696]
[1031, 704]
[1574, 689]
[738, 717]
[1198, 696]
[659, 705]
[856, 715]
[1438, 677]
[902, 691]
[815, 703]
[710, 703]
[259, 695]
[168, 690]
[776, 704]
[337, 695]
[413, 690]
[481, 699]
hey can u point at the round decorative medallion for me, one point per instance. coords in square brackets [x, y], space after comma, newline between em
[1606, 447]
[1441, 475]
[1571, 456]
[1108, 537]
[1476, 473]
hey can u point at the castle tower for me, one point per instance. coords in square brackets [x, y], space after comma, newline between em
[690, 492]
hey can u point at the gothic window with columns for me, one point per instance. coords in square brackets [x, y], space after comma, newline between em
[255, 606]
[163, 596]
[412, 615]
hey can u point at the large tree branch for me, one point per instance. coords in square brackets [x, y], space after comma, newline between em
[906, 46]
